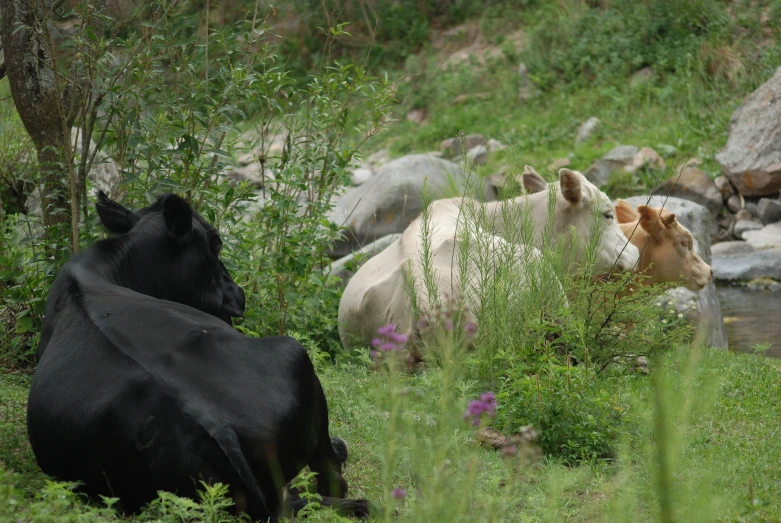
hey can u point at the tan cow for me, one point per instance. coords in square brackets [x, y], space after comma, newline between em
[666, 247]
[378, 293]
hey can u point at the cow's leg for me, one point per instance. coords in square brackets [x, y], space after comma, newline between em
[327, 463]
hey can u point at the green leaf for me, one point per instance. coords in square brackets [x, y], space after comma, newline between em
[23, 324]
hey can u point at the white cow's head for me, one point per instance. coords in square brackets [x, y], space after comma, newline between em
[582, 206]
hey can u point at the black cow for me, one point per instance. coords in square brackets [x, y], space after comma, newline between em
[143, 385]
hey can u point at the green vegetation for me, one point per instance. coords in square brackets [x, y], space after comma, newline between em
[694, 441]
[725, 409]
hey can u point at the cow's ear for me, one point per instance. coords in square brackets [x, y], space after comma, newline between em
[570, 186]
[115, 218]
[668, 219]
[532, 181]
[649, 220]
[178, 218]
[625, 213]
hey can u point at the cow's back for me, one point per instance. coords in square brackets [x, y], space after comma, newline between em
[430, 256]
[379, 292]
[375, 296]
[132, 390]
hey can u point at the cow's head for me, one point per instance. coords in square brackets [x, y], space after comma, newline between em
[580, 205]
[169, 251]
[666, 247]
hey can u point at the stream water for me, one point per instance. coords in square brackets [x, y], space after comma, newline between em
[751, 317]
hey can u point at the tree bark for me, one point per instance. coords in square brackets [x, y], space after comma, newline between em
[39, 99]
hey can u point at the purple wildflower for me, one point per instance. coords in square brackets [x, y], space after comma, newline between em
[398, 338]
[470, 327]
[485, 405]
[476, 407]
[388, 346]
[374, 354]
[509, 451]
[386, 330]
[398, 493]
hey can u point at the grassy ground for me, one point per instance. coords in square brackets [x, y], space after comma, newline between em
[719, 427]
[725, 464]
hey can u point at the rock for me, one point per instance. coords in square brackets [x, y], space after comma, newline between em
[752, 156]
[769, 211]
[693, 184]
[558, 163]
[743, 226]
[417, 116]
[249, 173]
[763, 284]
[646, 157]
[495, 145]
[379, 158]
[698, 219]
[618, 158]
[392, 198]
[451, 147]
[726, 224]
[640, 77]
[741, 267]
[743, 214]
[361, 175]
[526, 88]
[731, 249]
[767, 236]
[342, 268]
[691, 162]
[478, 154]
[734, 204]
[586, 129]
[752, 208]
[724, 186]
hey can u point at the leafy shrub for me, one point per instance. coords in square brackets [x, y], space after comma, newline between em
[582, 45]
[172, 126]
[576, 413]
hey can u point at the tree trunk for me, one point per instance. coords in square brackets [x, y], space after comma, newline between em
[39, 99]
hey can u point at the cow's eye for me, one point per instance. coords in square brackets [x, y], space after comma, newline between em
[685, 244]
[608, 215]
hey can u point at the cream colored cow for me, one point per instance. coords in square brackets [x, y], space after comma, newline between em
[666, 247]
[378, 293]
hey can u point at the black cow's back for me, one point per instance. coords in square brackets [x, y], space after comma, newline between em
[131, 390]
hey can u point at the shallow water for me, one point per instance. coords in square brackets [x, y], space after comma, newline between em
[751, 317]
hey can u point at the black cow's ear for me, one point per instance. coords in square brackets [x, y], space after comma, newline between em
[178, 217]
[115, 218]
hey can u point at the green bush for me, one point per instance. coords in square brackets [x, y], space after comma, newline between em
[581, 45]
[576, 412]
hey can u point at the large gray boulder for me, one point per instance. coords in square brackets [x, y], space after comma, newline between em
[388, 201]
[767, 236]
[748, 266]
[707, 317]
[693, 184]
[752, 156]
